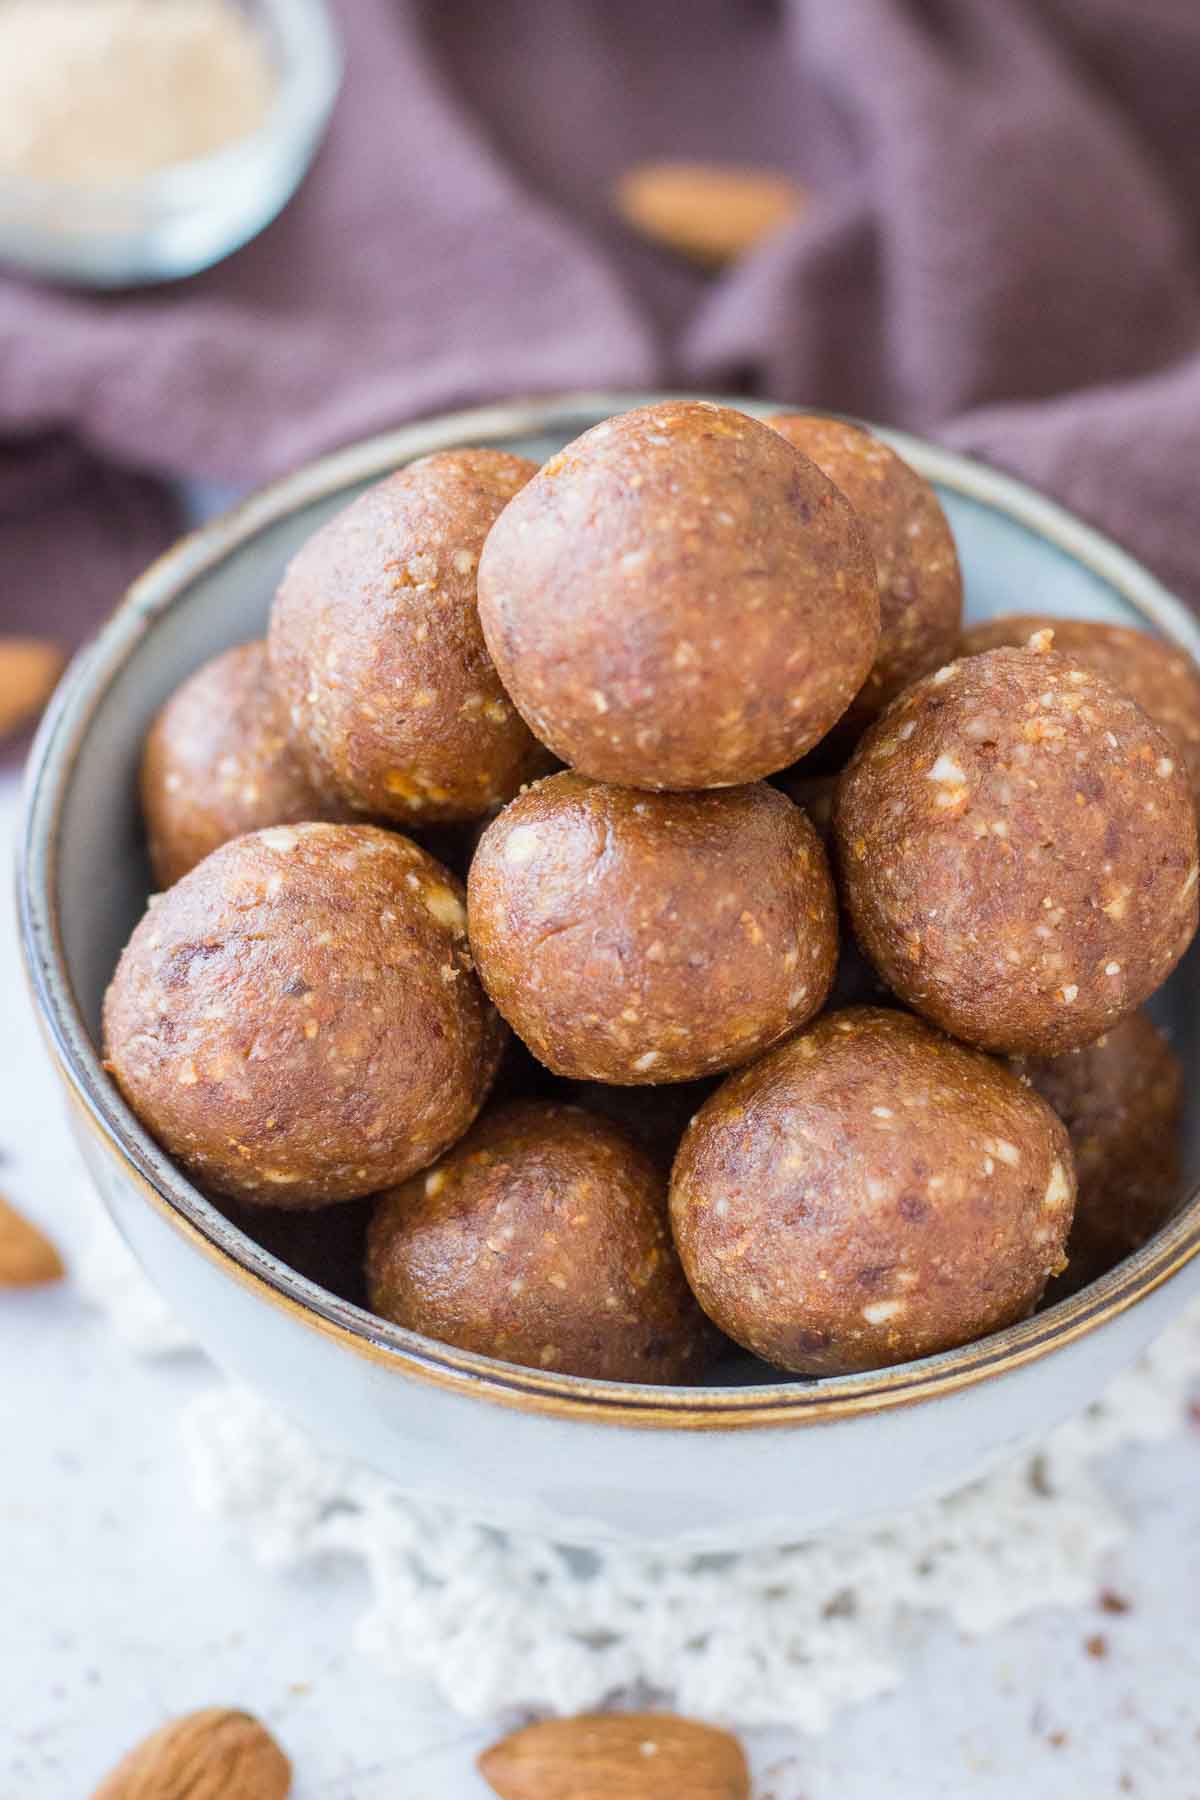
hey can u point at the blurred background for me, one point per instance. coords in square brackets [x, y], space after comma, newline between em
[236, 234]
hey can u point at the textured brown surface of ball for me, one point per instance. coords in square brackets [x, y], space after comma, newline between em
[916, 562]
[868, 1193]
[1160, 676]
[542, 1238]
[631, 937]
[377, 653]
[298, 1021]
[218, 763]
[1121, 1100]
[680, 600]
[1017, 845]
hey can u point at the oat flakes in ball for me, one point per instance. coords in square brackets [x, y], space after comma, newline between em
[631, 937]
[218, 762]
[1160, 676]
[298, 1021]
[680, 600]
[868, 1193]
[377, 653]
[1121, 1100]
[542, 1238]
[916, 563]
[1017, 846]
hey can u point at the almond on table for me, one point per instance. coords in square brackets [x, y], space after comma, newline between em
[711, 212]
[29, 668]
[215, 1754]
[617, 1756]
[27, 1257]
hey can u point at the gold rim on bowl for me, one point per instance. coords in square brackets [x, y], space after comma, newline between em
[97, 1106]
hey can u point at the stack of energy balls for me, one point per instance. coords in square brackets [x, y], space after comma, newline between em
[607, 1117]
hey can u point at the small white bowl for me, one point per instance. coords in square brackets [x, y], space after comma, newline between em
[758, 1459]
[187, 216]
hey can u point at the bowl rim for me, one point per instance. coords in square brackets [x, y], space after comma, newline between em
[96, 1104]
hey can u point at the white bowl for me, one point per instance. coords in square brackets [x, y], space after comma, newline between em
[755, 1459]
[185, 217]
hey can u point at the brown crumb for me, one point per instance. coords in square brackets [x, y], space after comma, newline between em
[1110, 1601]
[1096, 1645]
[1057, 1740]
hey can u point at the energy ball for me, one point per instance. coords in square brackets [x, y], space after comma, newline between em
[916, 563]
[298, 1021]
[1017, 847]
[1160, 676]
[868, 1193]
[377, 653]
[1121, 1100]
[542, 1238]
[218, 763]
[680, 600]
[640, 938]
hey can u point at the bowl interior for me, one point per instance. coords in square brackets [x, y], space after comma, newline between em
[86, 876]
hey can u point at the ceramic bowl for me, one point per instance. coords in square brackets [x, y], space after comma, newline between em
[754, 1458]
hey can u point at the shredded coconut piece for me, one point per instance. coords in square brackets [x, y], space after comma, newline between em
[98, 92]
[946, 769]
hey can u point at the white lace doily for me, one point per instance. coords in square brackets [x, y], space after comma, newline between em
[792, 1635]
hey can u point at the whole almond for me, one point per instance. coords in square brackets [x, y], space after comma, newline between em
[617, 1756]
[710, 212]
[27, 1257]
[29, 668]
[216, 1754]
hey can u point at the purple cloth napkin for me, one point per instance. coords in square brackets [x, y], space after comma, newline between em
[1002, 251]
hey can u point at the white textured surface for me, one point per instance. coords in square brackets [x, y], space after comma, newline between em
[122, 1601]
[796, 1635]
